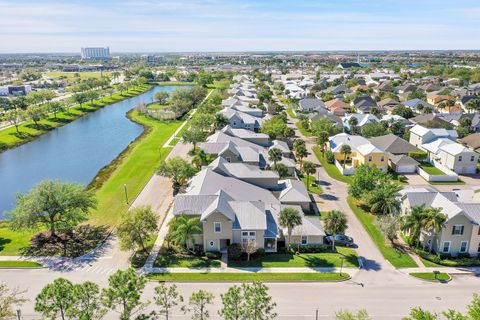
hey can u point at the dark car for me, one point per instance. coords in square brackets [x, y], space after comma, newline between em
[340, 240]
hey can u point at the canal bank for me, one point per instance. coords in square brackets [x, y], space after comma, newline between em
[135, 165]
[75, 152]
[28, 131]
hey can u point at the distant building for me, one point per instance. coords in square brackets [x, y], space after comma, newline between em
[153, 59]
[15, 90]
[95, 53]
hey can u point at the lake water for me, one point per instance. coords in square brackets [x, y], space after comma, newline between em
[74, 152]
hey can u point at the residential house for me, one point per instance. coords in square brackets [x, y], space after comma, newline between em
[472, 141]
[310, 104]
[364, 104]
[417, 105]
[460, 234]
[362, 119]
[363, 152]
[235, 211]
[338, 107]
[398, 150]
[443, 151]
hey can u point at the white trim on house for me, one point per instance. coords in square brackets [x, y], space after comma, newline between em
[219, 224]
[443, 246]
[466, 247]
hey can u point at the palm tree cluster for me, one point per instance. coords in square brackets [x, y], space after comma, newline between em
[423, 219]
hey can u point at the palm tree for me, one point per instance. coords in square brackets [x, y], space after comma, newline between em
[308, 169]
[433, 222]
[335, 222]
[290, 218]
[322, 139]
[183, 228]
[275, 155]
[200, 159]
[346, 150]
[413, 222]
[353, 122]
[384, 199]
[300, 152]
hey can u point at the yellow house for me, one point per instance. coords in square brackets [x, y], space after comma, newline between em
[362, 152]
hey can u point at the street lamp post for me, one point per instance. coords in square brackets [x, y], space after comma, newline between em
[126, 194]
[341, 265]
[19, 314]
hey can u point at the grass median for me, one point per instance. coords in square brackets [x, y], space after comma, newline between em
[395, 256]
[430, 276]
[19, 264]
[249, 276]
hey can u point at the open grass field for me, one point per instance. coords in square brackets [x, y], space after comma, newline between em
[19, 264]
[72, 75]
[331, 169]
[248, 276]
[309, 260]
[395, 256]
[9, 138]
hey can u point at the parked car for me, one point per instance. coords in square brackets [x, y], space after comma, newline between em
[340, 240]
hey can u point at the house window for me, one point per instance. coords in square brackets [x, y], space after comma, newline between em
[217, 227]
[472, 158]
[228, 159]
[457, 230]
[304, 240]
[446, 246]
[382, 158]
[459, 158]
[463, 246]
[211, 244]
[478, 249]
[234, 123]
[369, 158]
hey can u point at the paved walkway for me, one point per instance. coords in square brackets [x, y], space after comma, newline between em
[350, 271]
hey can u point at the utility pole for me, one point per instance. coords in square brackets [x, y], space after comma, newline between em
[126, 194]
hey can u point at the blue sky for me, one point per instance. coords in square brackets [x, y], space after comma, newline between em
[238, 25]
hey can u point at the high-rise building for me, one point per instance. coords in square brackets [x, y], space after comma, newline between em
[96, 53]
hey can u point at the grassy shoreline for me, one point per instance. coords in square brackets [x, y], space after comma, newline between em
[10, 139]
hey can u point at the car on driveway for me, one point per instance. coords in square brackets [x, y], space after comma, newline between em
[340, 240]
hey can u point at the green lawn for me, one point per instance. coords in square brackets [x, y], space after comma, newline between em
[313, 186]
[247, 276]
[431, 169]
[310, 260]
[135, 169]
[395, 256]
[28, 131]
[430, 276]
[168, 260]
[291, 113]
[447, 182]
[71, 75]
[19, 264]
[331, 169]
[303, 130]
[12, 242]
